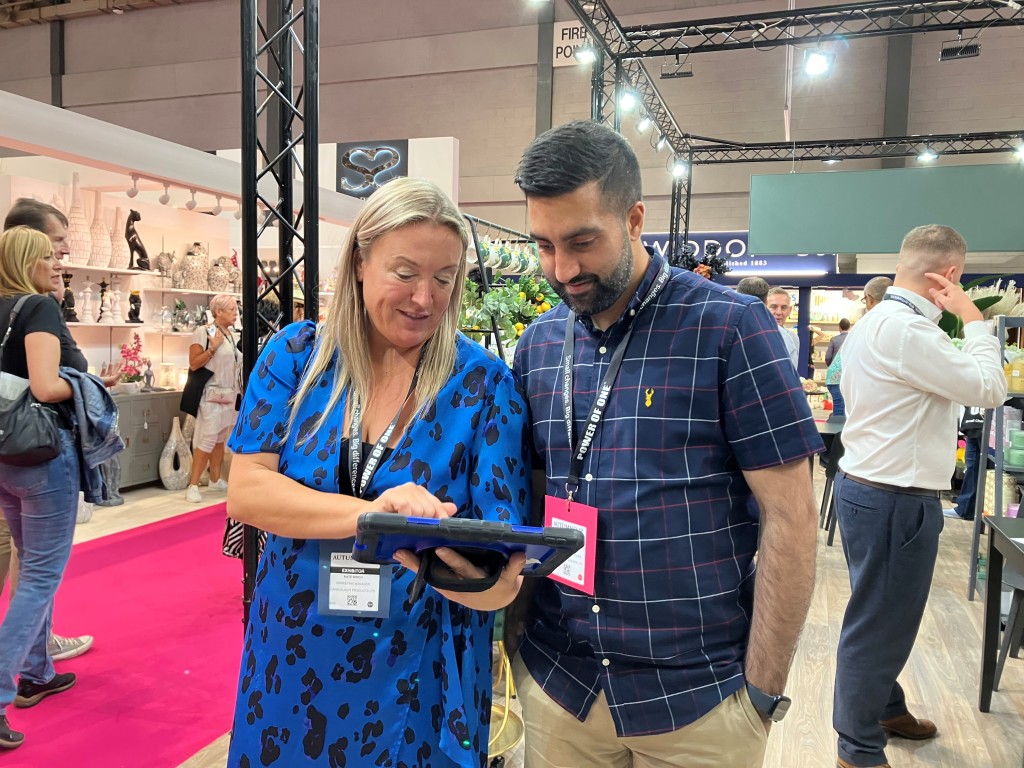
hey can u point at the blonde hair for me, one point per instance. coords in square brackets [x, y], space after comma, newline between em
[221, 303]
[21, 248]
[397, 204]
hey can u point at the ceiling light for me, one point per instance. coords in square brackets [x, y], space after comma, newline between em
[677, 167]
[927, 155]
[832, 160]
[191, 204]
[957, 49]
[679, 69]
[135, 186]
[585, 54]
[643, 124]
[1019, 154]
[217, 209]
[662, 143]
[238, 213]
[627, 101]
[817, 62]
[165, 198]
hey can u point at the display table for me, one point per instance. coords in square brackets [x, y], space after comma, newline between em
[1001, 534]
[145, 421]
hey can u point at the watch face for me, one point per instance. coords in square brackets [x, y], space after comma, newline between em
[780, 709]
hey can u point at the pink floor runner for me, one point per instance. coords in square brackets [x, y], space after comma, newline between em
[158, 685]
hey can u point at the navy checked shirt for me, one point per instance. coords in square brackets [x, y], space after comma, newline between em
[665, 634]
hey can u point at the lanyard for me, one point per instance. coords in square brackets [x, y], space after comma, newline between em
[597, 409]
[902, 300]
[355, 439]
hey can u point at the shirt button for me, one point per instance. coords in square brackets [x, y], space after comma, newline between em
[596, 608]
[632, 312]
[606, 662]
[589, 477]
[602, 350]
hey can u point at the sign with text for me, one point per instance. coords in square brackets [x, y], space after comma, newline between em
[569, 35]
[733, 246]
[363, 166]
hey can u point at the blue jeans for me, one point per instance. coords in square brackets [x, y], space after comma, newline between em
[969, 489]
[838, 404]
[40, 504]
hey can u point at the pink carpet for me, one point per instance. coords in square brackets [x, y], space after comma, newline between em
[158, 685]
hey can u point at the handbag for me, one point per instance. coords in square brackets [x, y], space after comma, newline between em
[28, 429]
[222, 395]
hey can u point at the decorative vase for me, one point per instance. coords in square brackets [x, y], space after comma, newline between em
[120, 256]
[218, 277]
[176, 460]
[194, 266]
[58, 202]
[99, 236]
[79, 239]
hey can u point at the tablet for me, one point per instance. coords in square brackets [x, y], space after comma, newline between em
[379, 534]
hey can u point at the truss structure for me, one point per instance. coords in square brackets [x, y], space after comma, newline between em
[812, 25]
[279, 140]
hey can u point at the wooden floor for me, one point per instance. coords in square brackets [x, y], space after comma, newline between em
[941, 679]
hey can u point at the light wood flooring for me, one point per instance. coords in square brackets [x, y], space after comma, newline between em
[941, 679]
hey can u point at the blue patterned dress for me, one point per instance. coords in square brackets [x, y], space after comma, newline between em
[410, 690]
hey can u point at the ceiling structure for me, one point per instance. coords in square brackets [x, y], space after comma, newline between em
[20, 13]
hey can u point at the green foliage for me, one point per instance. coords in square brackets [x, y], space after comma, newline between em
[952, 325]
[513, 304]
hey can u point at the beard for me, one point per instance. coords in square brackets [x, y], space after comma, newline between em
[603, 291]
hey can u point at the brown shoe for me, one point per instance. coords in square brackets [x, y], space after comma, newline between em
[909, 727]
[840, 763]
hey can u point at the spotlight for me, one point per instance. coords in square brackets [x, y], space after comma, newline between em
[165, 198]
[643, 124]
[662, 143]
[217, 209]
[1019, 154]
[679, 69]
[832, 160]
[585, 54]
[817, 62]
[627, 101]
[135, 186]
[958, 49]
[677, 167]
[238, 213]
[191, 204]
[927, 155]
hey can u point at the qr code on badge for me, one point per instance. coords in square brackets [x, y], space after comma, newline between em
[351, 601]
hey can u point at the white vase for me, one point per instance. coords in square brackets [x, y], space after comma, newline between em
[99, 236]
[120, 256]
[176, 451]
[79, 239]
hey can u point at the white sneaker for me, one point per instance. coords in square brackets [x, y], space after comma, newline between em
[192, 494]
[61, 648]
[219, 485]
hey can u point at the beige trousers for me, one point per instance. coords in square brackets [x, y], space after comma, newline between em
[732, 735]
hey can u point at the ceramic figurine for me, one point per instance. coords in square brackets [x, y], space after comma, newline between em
[135, 304]
[165, 263]
[135, 243]
[99, 236]
[70, 316]
[120, 256]
[105, 315]
[79, 241]
[178, 277]
[87, 310]
[148, 377]
[116, 317]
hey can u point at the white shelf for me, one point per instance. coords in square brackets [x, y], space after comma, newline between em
[65, 266]
[196, 293]
[113, 326]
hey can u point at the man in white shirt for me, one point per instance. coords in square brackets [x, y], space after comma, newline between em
[779, 305]
[902, 382]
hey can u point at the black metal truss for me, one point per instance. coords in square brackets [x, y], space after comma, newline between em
[858, 149]
[274, 133]
[812, 25]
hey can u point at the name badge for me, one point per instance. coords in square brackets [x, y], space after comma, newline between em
[577, 571]
[351, 588]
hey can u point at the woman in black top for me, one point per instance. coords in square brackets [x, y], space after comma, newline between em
[40, 502]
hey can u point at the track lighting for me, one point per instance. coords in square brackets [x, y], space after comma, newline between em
[191, 204]
[643, 124]
[165, 198]
[135, 186]
[238, 213]
[217, 209]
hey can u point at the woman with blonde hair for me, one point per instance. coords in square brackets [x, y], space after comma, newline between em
[383, 407]
[40, 502]
[214, 357]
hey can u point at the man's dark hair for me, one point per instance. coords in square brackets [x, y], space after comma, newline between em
[844, 324]
[754, 286]
[565, 158]
[27, 212]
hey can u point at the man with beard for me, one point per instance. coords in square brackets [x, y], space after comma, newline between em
[662, 406]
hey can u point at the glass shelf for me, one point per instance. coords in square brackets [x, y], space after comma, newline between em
[66, 267]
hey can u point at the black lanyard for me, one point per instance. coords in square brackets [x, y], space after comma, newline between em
[902, 300]
[355, 439]
[601, 400]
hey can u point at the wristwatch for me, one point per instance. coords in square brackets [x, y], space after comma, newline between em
[772, 707]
